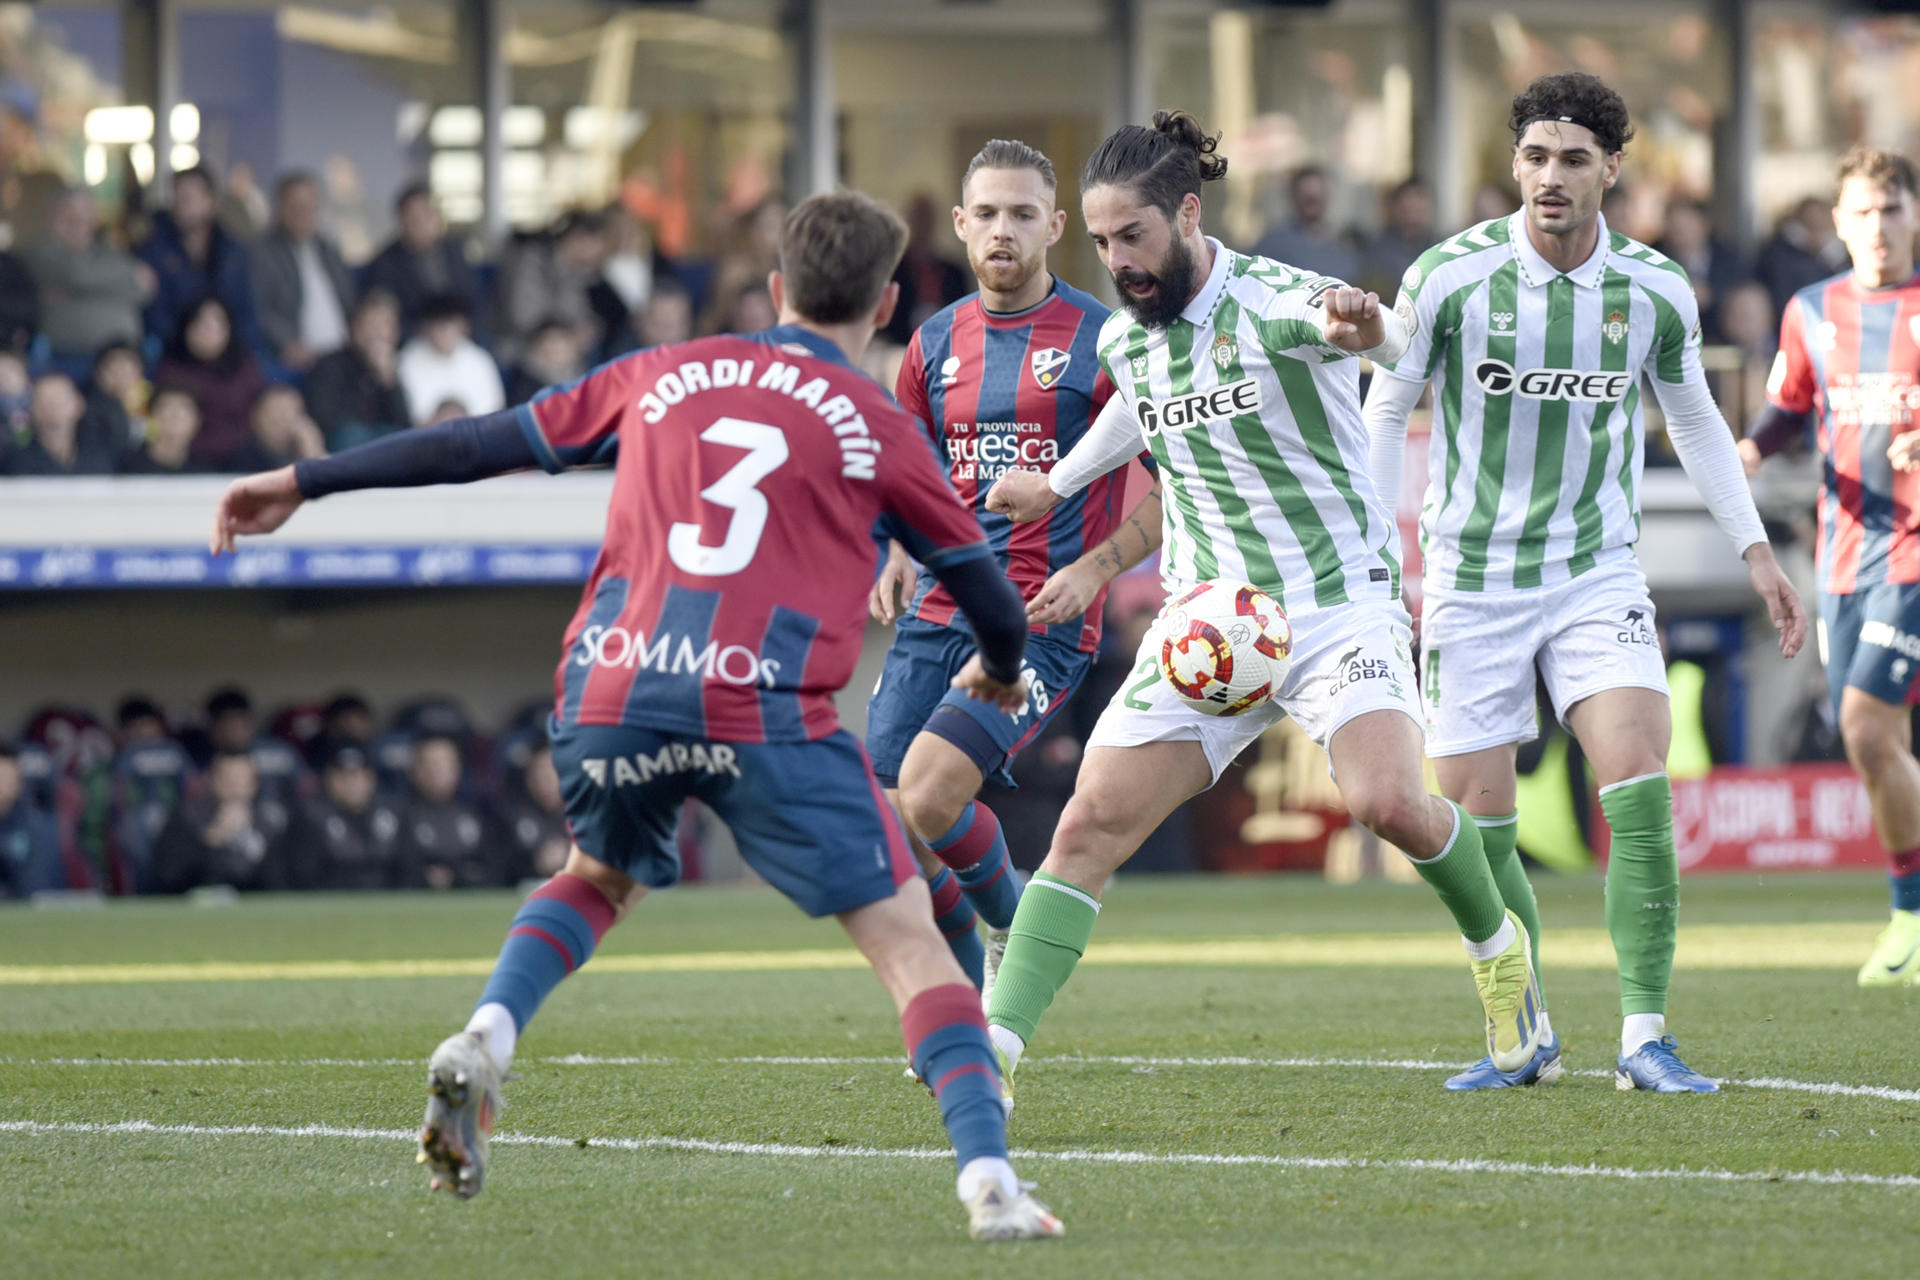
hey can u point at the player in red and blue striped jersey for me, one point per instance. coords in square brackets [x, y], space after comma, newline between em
[1850, 355]
[1007, 378]
[724, 612]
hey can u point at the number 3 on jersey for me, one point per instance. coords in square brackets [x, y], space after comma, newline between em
[766, 448]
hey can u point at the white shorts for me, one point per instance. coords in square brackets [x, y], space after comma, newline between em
[1477, 654]
[1347, 661]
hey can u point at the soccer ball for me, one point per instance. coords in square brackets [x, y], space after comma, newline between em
[1225, 647]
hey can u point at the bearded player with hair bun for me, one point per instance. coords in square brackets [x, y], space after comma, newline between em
[1238, 374]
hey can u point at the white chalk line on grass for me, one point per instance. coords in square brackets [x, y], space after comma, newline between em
[1828, 1088]
[1515, 1168]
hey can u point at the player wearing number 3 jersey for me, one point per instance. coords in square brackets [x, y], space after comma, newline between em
[725, 611]
[1536, 331]
[1238, 374]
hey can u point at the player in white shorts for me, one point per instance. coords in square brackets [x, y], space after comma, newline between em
[1536, 331]
[1237, 374]
[1347, 661]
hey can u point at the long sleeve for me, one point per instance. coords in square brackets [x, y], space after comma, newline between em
[1389, 403]
[1705, 447]
[1112, 440]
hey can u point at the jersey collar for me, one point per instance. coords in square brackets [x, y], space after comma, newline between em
[1200, 310]
[1017, 319]
[1539, 273]
[792, 335]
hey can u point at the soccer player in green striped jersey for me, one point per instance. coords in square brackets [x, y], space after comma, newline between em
[1536, 332]
[1238, 374]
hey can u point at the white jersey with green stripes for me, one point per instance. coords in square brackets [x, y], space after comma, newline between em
[1255, 423]
[1538, 441]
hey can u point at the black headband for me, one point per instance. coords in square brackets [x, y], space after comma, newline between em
[1588, 125]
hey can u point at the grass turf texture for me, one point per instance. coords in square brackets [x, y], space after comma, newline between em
[201, 1204]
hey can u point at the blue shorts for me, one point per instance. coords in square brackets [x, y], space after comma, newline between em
[808, 816]
[1870, 640]
[916, 692]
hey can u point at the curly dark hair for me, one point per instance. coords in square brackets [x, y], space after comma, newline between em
[1578, 98]
[1163, 164]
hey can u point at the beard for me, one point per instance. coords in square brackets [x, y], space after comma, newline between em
[1005, 277]
[1174, 284]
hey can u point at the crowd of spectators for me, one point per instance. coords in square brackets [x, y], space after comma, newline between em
[321, 797]
[201, 345]
[186, 340]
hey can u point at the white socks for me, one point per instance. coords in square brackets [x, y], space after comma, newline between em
[1500, 941]
[1008, 1043]
[980, 1169]
[495, 1024]
[1639, 1028]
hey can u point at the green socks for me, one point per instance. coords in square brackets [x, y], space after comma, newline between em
[1500, 837]
[1643, 889]
[1459, 874]
[1049, 935]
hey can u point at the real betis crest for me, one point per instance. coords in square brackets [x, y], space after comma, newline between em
[1225, 351]
[1616, 327]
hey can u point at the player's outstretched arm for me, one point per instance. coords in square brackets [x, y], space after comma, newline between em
[1390, 403]
[1773, 431]
[457, 452]
[252, 505]
[1112, 441]
[1066, 594]
[1705, 447]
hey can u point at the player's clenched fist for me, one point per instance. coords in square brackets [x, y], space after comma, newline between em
[1022, 496]
[1904, 452]
[973, 678]
[1354, 320]
[254, 504]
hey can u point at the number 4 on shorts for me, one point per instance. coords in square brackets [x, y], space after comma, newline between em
[1433, 676]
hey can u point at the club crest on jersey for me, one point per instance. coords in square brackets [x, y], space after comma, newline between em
[1049, 367]
[950, 371]
[1225, 351]
[1615, 329]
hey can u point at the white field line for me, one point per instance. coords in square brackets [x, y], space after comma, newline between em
[1836, 1177]
[1828, 1088]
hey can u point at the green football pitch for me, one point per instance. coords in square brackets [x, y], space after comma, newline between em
[1242, 1080]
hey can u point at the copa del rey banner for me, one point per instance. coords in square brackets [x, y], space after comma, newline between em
[1797, 817]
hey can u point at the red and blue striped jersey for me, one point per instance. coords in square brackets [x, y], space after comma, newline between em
[1852, 354]
[729, 598]
[1010, 392]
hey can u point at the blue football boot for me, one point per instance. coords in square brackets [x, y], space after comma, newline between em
[1544, 1068]
[1655, 1066]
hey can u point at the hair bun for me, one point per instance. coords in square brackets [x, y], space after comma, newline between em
[1185, 130]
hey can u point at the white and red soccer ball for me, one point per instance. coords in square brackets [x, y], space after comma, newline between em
[1224, 647]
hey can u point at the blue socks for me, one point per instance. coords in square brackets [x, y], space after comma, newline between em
[554, 933]
[956, 919]
[946, 1036]
[976, 849]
